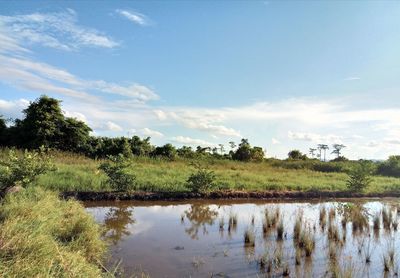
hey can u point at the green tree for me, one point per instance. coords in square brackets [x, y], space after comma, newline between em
[117, 171]
[3, 131]
[74, 135]
[243, 152]
[141, 147]
[390, 167]
[337, 148]
[360, 176]
[257, 154]
[296, 155]
[42, 123]
[168, 151]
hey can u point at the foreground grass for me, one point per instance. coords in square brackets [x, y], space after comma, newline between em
[43, 236]
[78, 173]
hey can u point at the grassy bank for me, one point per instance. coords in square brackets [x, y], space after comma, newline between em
[42, 236]
[78, 173]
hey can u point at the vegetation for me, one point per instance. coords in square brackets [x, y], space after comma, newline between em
[202, 180]
[359, 177]
[20, 169]
[118, 178]
[41, 236]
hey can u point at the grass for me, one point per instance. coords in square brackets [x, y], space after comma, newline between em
[78, 173]
[43, 236]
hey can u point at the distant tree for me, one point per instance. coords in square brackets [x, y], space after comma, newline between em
[168, 151]
[3, 131]
[337, 148]
[126, 148]
[257, 154]
[232, 145]
[390, 167]
[312, 152]
[74, 135]
[324, 148]
[221, 148]
[42, 123]
[186, 152]
[296, 155]
[141, 147]
[243, 152]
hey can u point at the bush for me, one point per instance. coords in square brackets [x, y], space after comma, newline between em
[202, 180]
[21, 170]
[359, 177]
[390, 167]
[43, 236]
[117, 175]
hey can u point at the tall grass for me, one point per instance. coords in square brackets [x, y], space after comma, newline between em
[43, 236]
[79, 173]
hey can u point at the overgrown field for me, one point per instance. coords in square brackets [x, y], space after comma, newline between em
[43, 236]
[78, 173]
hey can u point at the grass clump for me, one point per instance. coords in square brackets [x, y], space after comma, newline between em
[249, 238]
[42, 235]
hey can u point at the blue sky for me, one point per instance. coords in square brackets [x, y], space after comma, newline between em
[283, 74]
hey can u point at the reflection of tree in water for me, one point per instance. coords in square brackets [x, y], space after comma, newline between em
[199, 216]
[116, 223]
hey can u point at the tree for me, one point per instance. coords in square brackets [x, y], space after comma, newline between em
[243, 153]
[232, 145]
[42, 123]
[324, 148]
[296, 155]
[74, 135]
[168, 151]
[3, 130]
[312, 152]
[186, 152]
[257, 154]
[141, 147]
[359, 177]
[221, 148]
[337, 148]
[390, 167]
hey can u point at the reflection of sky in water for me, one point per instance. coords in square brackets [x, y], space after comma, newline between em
[151, 237]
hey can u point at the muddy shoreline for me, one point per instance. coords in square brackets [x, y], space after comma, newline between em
[220, 195]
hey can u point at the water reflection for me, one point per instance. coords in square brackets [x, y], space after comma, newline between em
[199, 216]
[117, 221]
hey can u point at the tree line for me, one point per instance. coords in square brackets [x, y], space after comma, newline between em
[45, 125]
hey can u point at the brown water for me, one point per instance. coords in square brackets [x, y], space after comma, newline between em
[176, 239]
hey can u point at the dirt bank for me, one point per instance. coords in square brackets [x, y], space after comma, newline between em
[176, 196]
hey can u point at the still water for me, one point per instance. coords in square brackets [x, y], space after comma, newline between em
[206, 238]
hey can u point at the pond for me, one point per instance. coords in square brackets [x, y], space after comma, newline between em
[253, 238]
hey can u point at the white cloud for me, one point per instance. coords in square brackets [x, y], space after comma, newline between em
[191, 141]
[275, 141]
[352, 78]
[313, 137]
[134, 17]
[152, 133]
[111, 126]
[56, 30]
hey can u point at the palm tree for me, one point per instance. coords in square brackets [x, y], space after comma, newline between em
[312, 152]
[221, 147]
[337, 149]
[323, 147]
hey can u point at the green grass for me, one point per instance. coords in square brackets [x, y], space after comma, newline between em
[43, 236]
[78, 173]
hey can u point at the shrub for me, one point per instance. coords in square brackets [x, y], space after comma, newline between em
[390, 167]
[21, 170]
[202, 180]
[359, 177]
[117, 175]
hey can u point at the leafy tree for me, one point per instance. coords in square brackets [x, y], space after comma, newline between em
[243, 152]
[126, 148]
[21, 170]
[74, 135]
[186, 152]
[390, 167]
[141, 147]
[359, 177]
[3, 131]
[296, 155]
[257, 154]
[202, 180]
[168, 151]
[42, 123]
[312, 152]
[337, 148]
[116, 169]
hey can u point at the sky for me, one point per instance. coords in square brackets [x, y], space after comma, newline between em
[286, 75]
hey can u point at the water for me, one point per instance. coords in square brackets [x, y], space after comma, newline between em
[181, 239]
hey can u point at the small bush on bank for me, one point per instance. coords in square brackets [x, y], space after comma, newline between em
[202, 180]
[43, 236]
[359, 177]
[21, 170]
[117, 175]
